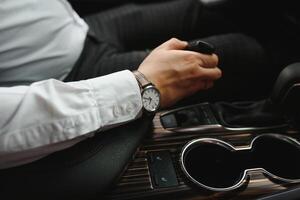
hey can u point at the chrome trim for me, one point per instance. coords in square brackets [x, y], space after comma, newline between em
[184, 107]
[221, 128]
[147, 87]
[247, 171]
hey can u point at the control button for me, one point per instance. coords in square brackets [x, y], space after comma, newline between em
[163, 179]
[158, 158]
[169, 121]
[162, 170]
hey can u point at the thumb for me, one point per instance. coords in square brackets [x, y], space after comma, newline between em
[173, 44]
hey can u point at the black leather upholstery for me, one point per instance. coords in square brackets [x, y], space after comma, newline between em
[84, 171]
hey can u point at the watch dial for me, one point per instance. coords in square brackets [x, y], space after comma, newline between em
[151, 99]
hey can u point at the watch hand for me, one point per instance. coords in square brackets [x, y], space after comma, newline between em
[150, 100]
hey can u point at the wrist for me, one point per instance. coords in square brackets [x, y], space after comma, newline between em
[141, 78]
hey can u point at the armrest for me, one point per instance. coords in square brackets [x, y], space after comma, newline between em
[83, 171]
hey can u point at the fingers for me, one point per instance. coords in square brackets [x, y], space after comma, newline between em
[206, 60]
[203, 60]
[173, 44]
[209, 60]
[207, 65]
[209, 73]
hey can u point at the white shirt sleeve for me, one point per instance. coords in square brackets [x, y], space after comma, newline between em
[51, 115]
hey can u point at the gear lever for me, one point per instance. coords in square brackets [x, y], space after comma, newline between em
[281, 107]
[286, 92]
[282, 104]
[201, 47]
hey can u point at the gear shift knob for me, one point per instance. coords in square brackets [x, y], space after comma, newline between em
[286, 92]
[201, 47]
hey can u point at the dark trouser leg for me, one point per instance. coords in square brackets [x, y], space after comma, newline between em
[244, 67]
[98, 59]
[138, 26]
[122, 33]
[134, 26]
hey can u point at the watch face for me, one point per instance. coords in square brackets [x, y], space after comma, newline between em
[151, 98]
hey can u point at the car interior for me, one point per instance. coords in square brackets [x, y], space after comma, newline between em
[220, 149]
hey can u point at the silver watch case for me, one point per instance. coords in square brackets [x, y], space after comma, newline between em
[152, 87]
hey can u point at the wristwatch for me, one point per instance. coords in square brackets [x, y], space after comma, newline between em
[150, 94]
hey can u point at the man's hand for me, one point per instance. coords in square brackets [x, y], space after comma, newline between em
[178, 73]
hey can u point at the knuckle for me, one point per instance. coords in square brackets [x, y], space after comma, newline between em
[201, 71]
[194, 70]
[218, 73]
[191, 58]
[174, 40]
[215, 60]
[190, 74]
[201, 62]
[210, 61]
[204, 62]
[176, 72]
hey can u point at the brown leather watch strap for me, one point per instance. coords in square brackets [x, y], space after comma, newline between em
[142, 80]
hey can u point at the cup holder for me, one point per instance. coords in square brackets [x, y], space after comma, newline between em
[218, 166]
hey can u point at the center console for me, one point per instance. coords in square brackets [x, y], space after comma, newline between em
[214, 117]
[240, 150]
[222, 150]
[156, 171]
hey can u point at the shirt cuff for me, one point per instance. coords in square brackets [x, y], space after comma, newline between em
[118, 98]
